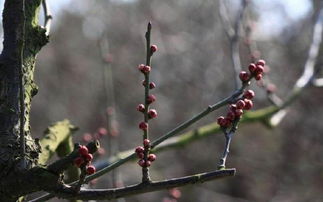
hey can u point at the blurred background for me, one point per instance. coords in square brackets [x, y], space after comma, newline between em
[94, 41]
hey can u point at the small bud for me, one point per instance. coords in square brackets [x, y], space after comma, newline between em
[240, 104]
[258, 77]
[88, 157]
[249, 94]
[261, 62]
[146, 143]
[83, 150]
[148, 163]
[102, 132]
[152, 85]
[87, 137]
[259, 69]
[252, 67]
[248, 105]
[151, 99]
[230, 115]
[90, 170]
[139, 149]
[141, 162]
[244, 76]
[78, 161]
[141, 108]
[153, 48]
[144, 68]
[233, 107]
[220, 119]
[238, 113]
[143, 126]
[152, 157]
[140, 155]
[152, 113]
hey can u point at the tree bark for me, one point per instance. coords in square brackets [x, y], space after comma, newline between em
[23, 39]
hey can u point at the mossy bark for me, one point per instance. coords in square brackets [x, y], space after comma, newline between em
[23, 39]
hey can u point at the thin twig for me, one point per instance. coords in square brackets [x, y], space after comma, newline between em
[47, 17]
[234, 35]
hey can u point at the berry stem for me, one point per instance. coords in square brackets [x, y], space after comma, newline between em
[145, 169]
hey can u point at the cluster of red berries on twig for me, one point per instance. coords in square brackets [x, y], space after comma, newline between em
[145, 158]
[255, 70]
[236, 110]
[140, 153]
[84, 159]
[245, 102]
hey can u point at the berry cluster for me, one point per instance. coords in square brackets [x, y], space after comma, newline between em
[255, 70]
[84, 159]
[236, 110]
[140, 153]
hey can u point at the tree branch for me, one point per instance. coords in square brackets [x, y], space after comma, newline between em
[108, 194]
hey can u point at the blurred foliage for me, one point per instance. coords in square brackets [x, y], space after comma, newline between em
[192, 69]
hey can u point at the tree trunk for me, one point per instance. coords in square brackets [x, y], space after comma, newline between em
[23, 39]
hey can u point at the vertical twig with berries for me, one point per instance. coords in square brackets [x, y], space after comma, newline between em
[229, 124]
[143, 152]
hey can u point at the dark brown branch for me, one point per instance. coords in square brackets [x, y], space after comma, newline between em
[108, 194]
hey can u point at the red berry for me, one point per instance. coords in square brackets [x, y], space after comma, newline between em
[252, 67]
[175, 193]
[240, 104]
[225, 122]
[139, 149]
[146, 143]
[140, 67]
[101, 151]
[152, 113]
[143, 82]
[258, 77]
[248, 105]
[220, 119]
[148, 163]
[249, 94]
[151, 99]
[88, 157]
[140, 155]
[102, 131]
[144, 68]
[141, 108]
[244, 76]
[87, 137]
[90, 170]
[78, 161]
[83, 150]
[261, 62]
[233, 107]
[141, 162]
[259, 69]
[152, 85]
[152, 157]
[231, 115]
[153, 48]
[143, 126]
[238, 112]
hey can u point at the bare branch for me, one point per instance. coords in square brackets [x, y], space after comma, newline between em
[47, 16]
[233, 34]
[318, 82]
[108, 194]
